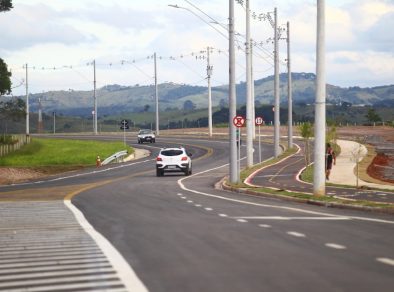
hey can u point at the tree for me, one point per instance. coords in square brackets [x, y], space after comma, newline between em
[372, 116]
[5, 81]
[5, 5]
[306, 131]
[188, 105]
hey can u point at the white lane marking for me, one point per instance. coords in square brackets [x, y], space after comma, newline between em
[335, 246]
[223, 215]
[124, 270]
[182, 186]
[79, 174]
[265, 225]
[183, 198]
[292, 218]
[208, 209]
[198, 205]
[386, 261]
[242, 220]
[189, 201]
[296, 234]
[179, 194]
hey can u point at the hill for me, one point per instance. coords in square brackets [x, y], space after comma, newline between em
[117, 99]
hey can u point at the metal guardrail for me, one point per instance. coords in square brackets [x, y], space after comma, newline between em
[117, 156]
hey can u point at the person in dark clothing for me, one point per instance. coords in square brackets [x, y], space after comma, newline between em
[330, 159]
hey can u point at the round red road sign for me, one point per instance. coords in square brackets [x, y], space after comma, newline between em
[238, 121]
[259, 121]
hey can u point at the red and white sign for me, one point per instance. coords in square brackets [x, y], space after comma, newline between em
[259, 121]
[238, 121]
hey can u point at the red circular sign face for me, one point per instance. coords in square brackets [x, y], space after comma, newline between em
[259, 121]
[238, 121]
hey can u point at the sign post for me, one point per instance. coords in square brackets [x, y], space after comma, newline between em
[259, 121]
[124, 126]
[239, 121]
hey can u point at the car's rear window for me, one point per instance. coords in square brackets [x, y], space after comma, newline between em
[173, 152]
[145, 132]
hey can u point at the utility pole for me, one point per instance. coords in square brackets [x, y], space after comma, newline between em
[289, 92]
[157, 97]
[40, 125]
[319, 187]
[209, 73]
[249, 107]
[276, 87]
[234, 171]
[95, 98]
[54, 122]
[27, 103]
[252, 90]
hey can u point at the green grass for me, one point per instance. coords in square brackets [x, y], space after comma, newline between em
[61, 152]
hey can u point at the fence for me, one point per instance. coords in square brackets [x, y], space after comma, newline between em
[18, 142]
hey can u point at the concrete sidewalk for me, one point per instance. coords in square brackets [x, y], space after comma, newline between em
[343, 172]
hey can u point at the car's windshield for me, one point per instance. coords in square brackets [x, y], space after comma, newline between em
[145, 132]
[172, 152]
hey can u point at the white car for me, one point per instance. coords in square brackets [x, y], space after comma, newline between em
[146, 135]
[173, 160]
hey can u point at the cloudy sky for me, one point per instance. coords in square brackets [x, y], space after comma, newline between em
[59, 39]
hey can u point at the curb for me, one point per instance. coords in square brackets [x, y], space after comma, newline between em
[222, 185]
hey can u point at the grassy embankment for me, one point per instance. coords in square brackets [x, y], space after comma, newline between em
[56, 154]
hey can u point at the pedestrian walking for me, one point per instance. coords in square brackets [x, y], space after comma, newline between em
[330, 159]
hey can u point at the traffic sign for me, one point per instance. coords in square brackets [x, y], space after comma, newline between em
[238, 121]
[124, 127]
[124, 122]
[259, 121]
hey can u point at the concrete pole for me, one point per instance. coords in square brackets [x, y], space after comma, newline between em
[276, 87]
[157, 98]
[27, 103]
[319, 187]
[234, 171]
[252, 88]
[249, 115]
[54, 122]
[95, 98]
[209, 73]
[289, 92]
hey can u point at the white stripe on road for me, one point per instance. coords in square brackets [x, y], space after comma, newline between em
[125, 272]
[386, 261]
[242, 220]
[265, 225]
[291, 218]
[335, 246]
[296, 234]
[182, 186]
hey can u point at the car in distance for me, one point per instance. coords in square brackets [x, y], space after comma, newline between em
[173, 160]
[146, 135]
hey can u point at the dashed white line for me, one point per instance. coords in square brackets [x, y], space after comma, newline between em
[242, 220]
[190, 201]
[335, 246]
[197, 205]
[296, 234]
[208, 209]
[179, 194]
[183, 198]
[223, 215]
[265, 225]
[386, 261]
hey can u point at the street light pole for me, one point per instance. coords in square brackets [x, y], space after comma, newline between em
[157, 98]
[249, 115]
[276, 87]
[209, 73]
[319, 187]
[289, 92]
[234, 171]
[27, 103]
[95, 98]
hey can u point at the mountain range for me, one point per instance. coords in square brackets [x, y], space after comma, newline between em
[117, 99]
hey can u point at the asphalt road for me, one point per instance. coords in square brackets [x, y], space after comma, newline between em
[180, 234]
[284, 176]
